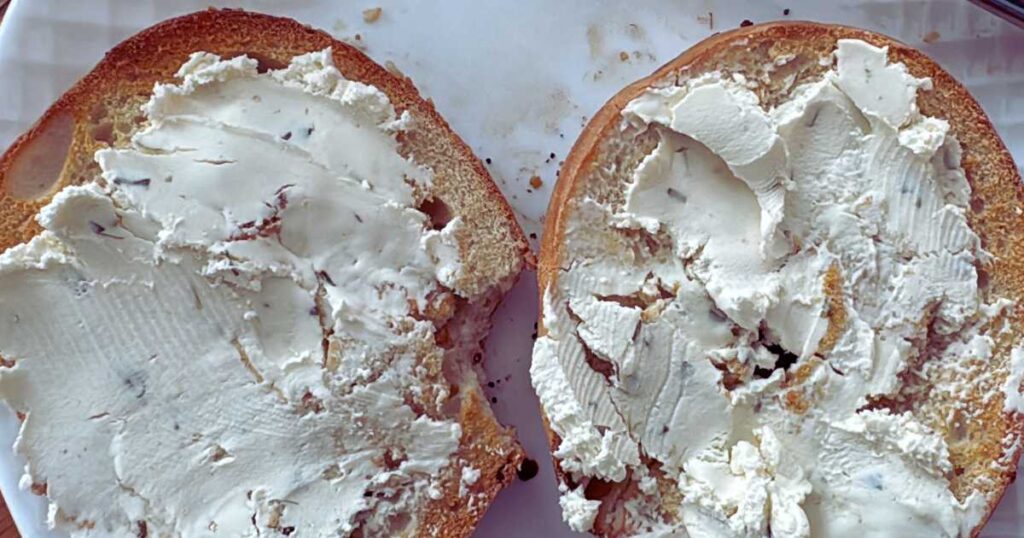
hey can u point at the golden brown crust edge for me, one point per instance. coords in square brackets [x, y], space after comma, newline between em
[997, 193]
[127, 74]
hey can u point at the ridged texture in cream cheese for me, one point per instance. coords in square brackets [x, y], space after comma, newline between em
[829, 232]
[222, 335]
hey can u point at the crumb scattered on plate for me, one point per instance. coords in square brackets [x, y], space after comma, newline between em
[372, 15]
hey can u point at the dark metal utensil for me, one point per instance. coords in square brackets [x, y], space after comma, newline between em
[1011, 10]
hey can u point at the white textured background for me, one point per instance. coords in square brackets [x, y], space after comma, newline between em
[517, 80]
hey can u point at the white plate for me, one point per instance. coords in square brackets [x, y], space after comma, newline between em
[517, 80]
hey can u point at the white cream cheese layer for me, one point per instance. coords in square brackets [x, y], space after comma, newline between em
[222, 335]
[801, 254]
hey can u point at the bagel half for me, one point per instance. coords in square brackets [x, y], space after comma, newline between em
[965, 400]
[104, 112]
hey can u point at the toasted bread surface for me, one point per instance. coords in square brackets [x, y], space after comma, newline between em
[601, 163]
[103, 110]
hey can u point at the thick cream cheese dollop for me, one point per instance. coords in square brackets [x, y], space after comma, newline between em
[828, 231]
[221, 335]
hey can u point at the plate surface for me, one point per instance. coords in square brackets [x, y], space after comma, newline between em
[518, 81]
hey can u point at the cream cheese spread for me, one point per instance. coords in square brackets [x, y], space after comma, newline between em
[1012, 397]
[768, 277]
[579, 511]
[224, 335]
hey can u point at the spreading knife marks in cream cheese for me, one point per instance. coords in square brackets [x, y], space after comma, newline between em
[168, 325]
[829, 231]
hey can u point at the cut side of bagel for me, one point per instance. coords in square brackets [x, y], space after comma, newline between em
[246, 281]
[782, 296]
